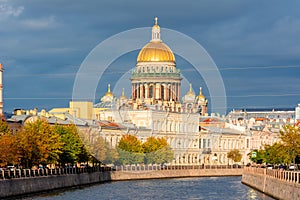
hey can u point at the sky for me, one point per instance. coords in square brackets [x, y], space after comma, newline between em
[254, 43]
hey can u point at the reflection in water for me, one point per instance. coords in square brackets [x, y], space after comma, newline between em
[180, 188]
[251, 194]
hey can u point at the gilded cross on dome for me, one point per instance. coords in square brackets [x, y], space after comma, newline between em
[156, 18]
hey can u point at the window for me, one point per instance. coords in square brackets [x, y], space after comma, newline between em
[208, 143]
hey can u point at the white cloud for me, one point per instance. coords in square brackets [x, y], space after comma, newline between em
[7, 10]
[42, 23]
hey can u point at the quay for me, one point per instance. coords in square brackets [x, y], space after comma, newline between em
[279, 184]
[24, 182]
[276, 183]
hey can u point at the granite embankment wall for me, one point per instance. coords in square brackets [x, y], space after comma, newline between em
[275, 183]
[156, 174]
[28, 185]
[22, 186]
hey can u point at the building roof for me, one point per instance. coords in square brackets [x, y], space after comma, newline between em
[223, 130]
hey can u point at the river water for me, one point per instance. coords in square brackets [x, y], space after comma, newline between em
[226, 188]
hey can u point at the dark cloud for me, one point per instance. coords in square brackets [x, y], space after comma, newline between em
[42, 43]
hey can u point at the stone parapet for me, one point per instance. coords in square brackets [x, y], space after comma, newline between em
[276, 183]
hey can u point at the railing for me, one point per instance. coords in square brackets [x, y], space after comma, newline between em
[172, 167]
[284, 175]
[29, 173]
[153, 74]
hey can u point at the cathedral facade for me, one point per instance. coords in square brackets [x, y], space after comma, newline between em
[156, 107]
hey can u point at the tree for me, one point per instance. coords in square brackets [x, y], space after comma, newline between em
[112, 155]
[126, 157]
[257, 156]
[234, 155]
[98, 149]
[130, 143]
[4, 129]
[9, 153]
[130, 150]
[275, 154]
[290, 138]
[71, 143]
[157, 150]
[38, 144]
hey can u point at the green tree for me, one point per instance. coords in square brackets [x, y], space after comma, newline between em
[98, 149]
[130, 150]
[234, 155]
[257, 156]
[275, 154]
[157, 150]
[71, 147]
[38, 144]
[290, 138]
[84, 155]
[126, 157]
[112, 155]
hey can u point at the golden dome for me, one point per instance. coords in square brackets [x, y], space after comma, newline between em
[190, 92]
[123, 97]
[109, 93]
[156, 50]
[201, 96]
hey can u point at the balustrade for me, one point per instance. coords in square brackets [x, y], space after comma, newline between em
[283, 175]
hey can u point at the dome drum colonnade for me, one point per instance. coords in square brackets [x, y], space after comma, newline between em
[156, 77]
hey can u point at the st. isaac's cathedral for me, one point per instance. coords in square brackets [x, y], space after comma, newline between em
[155, 108]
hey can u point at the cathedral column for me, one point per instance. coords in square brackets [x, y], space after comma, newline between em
[165, 92]
[141, 91]
[173, 92]
[146, 91]
[157, 91]
[137, 91]
[132, 91]
[178, 91]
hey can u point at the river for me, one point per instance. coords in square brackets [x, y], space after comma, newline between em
[226, 188]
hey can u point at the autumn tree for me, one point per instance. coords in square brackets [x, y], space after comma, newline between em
[234, 155]
[275, 154]
[130, 143]
[130, 150]
[4, 129]
[38, 144]
[9, 153]
[157, 150]
[290, 139]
